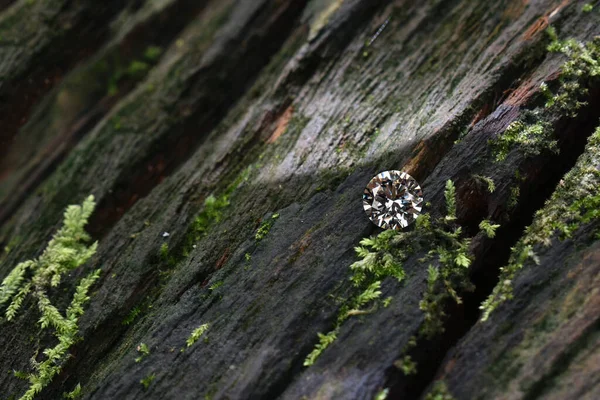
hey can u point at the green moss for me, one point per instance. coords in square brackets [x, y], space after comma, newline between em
[147, 381]
[531, 138]
[152, 53]
[488, 228]
[66, 251]
[216, 285]
[450, 195]
[513, 199]
[489, 182]
[582, 66]
[574, 202]
[439, 391]
[324, 342]
[382, 257]
[382, 394]
[133, 314]
[532, 133]
[265, 227]
[166, 256]
[407, 366]
[587, 8]
[74, 394]
[137, 69]
[212, 213]
[387, 301]
[196, 334]
[143, 351]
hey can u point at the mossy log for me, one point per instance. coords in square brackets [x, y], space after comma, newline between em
[228, 143]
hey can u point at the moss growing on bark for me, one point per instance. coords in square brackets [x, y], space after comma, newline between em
[196, 334]
[143, 351]
[531, 138]
[575, 201]
[147, 381]
[265, 227]
[66, 251]
[74, 394]
[532, 133]
[382, 257]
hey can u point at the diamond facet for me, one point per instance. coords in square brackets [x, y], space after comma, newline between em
[393, 200]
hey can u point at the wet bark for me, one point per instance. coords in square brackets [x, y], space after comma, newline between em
[288, 108]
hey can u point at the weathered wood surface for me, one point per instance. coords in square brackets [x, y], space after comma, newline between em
[290, 107]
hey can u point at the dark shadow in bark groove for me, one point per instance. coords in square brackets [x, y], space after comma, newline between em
[4, 4]
[19, 95]
[159, 31]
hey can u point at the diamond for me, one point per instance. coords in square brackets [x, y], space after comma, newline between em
[393, 200]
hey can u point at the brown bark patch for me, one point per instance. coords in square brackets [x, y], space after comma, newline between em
[539, 25]
[282, 123]
[222, 260]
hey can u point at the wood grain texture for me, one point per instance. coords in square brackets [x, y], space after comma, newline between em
[290, 107]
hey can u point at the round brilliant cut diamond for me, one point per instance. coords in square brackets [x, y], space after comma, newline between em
[393, 200]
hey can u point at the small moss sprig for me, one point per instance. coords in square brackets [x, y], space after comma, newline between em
[66, 251]
[407, 365]
[325, 340]
[143, 351]
[265, 227]
[75, 394]
[439, 391]
[196, 334]
[488, 228]
[147, 381]
[450, 195]
[382, 394]
[489, 182]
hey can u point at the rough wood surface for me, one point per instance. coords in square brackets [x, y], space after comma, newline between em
[287, 108]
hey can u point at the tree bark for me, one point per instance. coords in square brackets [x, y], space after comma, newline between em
[285, 109]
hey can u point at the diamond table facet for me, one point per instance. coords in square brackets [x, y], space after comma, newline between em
[393, 200]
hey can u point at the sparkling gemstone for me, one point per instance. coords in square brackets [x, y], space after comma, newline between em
[393, 200]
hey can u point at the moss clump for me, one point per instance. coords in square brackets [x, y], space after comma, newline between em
[439, 391]
[74, 394]
[489, 182]
[382, 256]
[265, 227]
[143, 351]
[575, 201]
[582, 66]
[407, 365]
[152, 53]
[212, 213]
[450, 196]
[533, 133]
[133, 314]
[196, 334]
[147, 381]
[324, 342]
[66, 251]
[532, 138]
[382, 394]
[587, 8]
[513, 199]
[488, 228]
